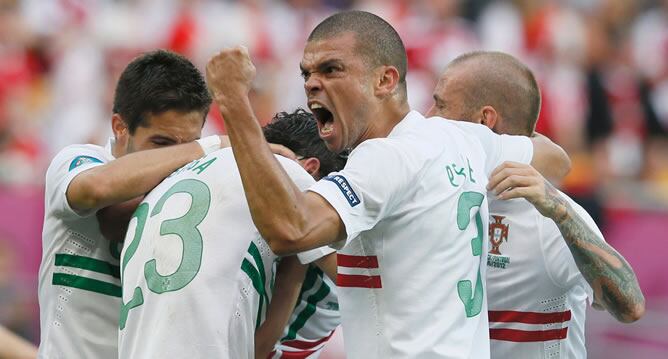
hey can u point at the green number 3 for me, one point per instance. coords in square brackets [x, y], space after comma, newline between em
[472, 299]
[185, 227]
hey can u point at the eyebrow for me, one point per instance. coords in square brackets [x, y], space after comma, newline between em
[322, 65]
[327, 63]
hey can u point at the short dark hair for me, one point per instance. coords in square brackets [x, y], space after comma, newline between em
[156, 82]
[376, 39]
[298, 131]
[503, 82]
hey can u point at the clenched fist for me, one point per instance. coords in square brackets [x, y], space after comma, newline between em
[229, 75]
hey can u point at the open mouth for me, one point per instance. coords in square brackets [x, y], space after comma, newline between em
[325, 119]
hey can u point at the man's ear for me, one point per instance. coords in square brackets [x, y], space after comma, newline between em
[489, 117]
[312, 166]
[388, 80]
[121, 130]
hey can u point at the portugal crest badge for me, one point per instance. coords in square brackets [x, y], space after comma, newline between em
[498, 232]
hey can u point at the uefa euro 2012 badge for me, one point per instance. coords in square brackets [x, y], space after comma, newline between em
[82, 160]
[498, 233]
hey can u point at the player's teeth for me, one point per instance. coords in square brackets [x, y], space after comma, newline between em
[315, 106]
[327, 128]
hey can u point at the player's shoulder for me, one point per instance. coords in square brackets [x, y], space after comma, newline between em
[469, 129]
[73, 156]
[83, 153]
[381, 152]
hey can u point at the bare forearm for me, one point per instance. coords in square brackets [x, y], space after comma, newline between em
[129, 176]
[607, 272]
[289, 220]
[274, 200]
[328, 265]
[610, 276]
[289, 279]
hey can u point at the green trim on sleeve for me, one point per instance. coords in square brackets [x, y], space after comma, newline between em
[91, 264]
[91, 285]
[309, 310]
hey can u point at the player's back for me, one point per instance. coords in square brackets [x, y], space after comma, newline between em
[195, 271]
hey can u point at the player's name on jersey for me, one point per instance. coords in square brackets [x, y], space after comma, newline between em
[497, 261]
[195, 166]
[459, 174]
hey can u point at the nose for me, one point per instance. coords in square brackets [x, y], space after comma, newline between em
[312, 84]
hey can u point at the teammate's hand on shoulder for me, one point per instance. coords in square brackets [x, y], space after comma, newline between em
[230, 74]
[517, 180]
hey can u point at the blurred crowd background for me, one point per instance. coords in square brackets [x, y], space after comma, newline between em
[602, 66]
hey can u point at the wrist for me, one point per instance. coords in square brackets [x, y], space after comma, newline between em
[209, 144]
[232, 105]
[559, 213]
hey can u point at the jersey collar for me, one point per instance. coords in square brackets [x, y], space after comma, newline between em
[109, 146]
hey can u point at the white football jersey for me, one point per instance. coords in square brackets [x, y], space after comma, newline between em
[537, 296]
[196, 274]
[79, 280]
[313, 320]
[410, 277]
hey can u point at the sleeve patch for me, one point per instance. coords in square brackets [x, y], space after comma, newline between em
[345, 188]
[80, 160]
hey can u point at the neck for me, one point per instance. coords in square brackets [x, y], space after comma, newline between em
[385, 119]
[116, 150]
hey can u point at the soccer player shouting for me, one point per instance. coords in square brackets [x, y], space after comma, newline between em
[410, 274]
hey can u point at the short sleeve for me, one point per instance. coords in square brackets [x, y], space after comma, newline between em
[559, 260]
[297, 174]
[314, 254]
[370, 185]
[500, 148]
[303, 181]
[67, 164]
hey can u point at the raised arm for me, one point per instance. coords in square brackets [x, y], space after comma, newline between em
[128, 177]
[549, 159]
[610, 276]
[288, 219]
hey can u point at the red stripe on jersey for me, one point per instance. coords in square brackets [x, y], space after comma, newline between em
[358, 281]
[303, 344]
[509, 316]
[343, 260]
[520, 336]
[297, 355]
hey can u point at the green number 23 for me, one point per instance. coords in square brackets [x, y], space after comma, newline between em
[185, 227]
[472, 299]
